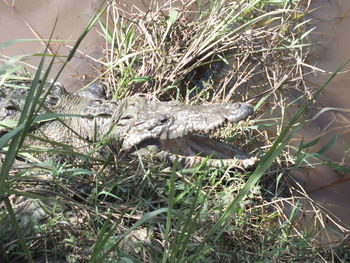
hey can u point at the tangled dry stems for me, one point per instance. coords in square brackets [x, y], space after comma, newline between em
[193, 57]
[211, 56]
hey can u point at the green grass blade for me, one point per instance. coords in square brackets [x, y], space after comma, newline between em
[144, 219]
[17, 229]
[171, 203]
[266, 161]
[328, 145]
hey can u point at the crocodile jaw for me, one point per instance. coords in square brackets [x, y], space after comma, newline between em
[173, 137]
[177, 120]
[193, 149]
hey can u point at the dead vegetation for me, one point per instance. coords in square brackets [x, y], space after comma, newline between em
[227, 51]
[144, 211]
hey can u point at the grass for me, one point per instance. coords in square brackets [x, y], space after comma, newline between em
[143, 211]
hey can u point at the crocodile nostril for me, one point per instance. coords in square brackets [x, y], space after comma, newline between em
[237, 105]
[233, 106]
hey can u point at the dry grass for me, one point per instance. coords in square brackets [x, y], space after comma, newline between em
[142, 210]
[234, 50]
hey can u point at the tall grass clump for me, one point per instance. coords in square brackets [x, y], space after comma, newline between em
[225, 49]
[129, 209]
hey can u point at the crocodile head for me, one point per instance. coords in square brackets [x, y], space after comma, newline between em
[169, 129]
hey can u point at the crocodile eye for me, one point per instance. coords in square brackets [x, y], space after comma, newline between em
[104, 114]
[127, 117]
[164, 120]
[53, 101]
[10, 108]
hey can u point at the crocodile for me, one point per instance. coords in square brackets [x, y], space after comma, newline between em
[171, 130]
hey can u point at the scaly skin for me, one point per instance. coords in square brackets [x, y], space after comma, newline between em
[136, 124]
